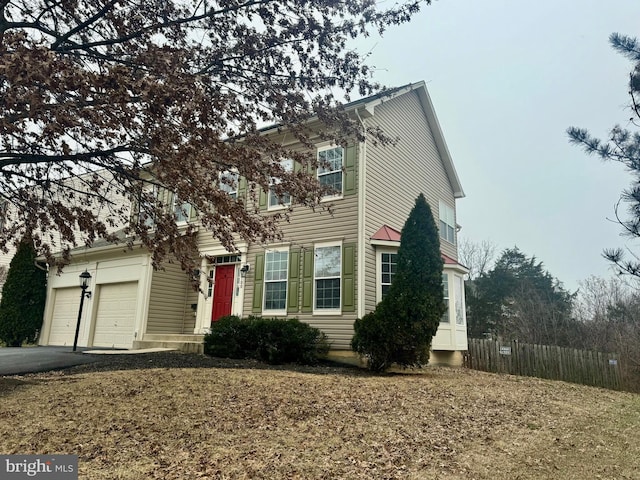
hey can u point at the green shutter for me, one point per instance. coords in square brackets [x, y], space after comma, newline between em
[258, 284]
[350, 171]
[263, 200]
[166, 197]
[242, 189]
[307, 281]
[348, 277]
[293, 285]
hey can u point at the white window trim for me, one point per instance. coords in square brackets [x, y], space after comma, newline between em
[379, 252]
[447, 215]
[326, 311]
[275, 181]
[336, 196]
[275, 312]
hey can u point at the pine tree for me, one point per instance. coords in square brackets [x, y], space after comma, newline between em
[622, 146]
[403, 324]
[23, 297]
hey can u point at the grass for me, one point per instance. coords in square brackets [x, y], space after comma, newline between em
[245, 420]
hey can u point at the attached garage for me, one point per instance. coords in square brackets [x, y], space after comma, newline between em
[65, 316]
[116, 315]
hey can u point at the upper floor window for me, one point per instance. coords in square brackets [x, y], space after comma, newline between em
[447, 223]
[327, 277]
[331, 161]
[181, 210]
[276, 269]
[275, 200]
[229, 183]
[147, 204]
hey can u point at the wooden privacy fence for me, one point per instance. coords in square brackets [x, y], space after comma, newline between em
[578, 366]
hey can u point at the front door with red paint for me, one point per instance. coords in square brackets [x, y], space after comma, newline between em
[222, 291]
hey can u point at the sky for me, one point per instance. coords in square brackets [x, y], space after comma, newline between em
[507, 78]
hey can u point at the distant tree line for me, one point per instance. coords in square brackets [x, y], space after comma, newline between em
[515, 298]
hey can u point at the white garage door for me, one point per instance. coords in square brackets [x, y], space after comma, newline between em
[115, 319]
[65, 316]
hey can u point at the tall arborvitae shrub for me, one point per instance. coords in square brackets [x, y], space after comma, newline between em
[23, 298]
[401, 327]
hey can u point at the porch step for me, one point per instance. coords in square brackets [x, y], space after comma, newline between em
[183, 343]
[172, 337]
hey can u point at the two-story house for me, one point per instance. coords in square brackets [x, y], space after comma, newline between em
[329, 269]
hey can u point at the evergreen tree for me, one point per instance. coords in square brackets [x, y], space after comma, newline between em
[519, 299]
[401, 327]
[23, 297]
[623, 146]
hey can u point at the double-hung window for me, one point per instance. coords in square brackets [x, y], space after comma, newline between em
[445, 288]
[275, 200]
[388, 263]
[181, 210]
[330, 163]
[229, 183]
[327, 278]
[147, 205]
[447, 223]
[459, 292]
[276, 271]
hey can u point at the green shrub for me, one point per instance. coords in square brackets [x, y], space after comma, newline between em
[403, 324]
[274, 341]
[229, 337]
[23, 298]
[371, 341]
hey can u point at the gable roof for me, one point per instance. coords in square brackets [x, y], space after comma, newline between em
[367, 105]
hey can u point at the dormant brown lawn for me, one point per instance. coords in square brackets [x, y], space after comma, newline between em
[243, 420]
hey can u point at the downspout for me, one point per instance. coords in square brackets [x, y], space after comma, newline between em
[362, 171]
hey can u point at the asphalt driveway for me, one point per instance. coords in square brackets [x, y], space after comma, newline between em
[18, 361]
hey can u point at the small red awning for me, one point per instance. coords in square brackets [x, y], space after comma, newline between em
[390, 234]
[387, 234]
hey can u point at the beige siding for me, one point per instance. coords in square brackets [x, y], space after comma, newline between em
[305, 229]
[396, 175]
[169, 302]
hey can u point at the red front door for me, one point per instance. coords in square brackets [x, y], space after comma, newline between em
[222, 291]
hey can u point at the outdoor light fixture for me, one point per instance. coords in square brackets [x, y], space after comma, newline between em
[85, 281]
[244, 269]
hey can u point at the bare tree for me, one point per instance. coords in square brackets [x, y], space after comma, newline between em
[106, 91]
[478, 257]
[609, 310]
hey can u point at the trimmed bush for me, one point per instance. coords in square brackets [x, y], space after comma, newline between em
[274, 341]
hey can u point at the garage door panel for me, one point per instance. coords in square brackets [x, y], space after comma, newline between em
[115, 317]
[65, 316]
